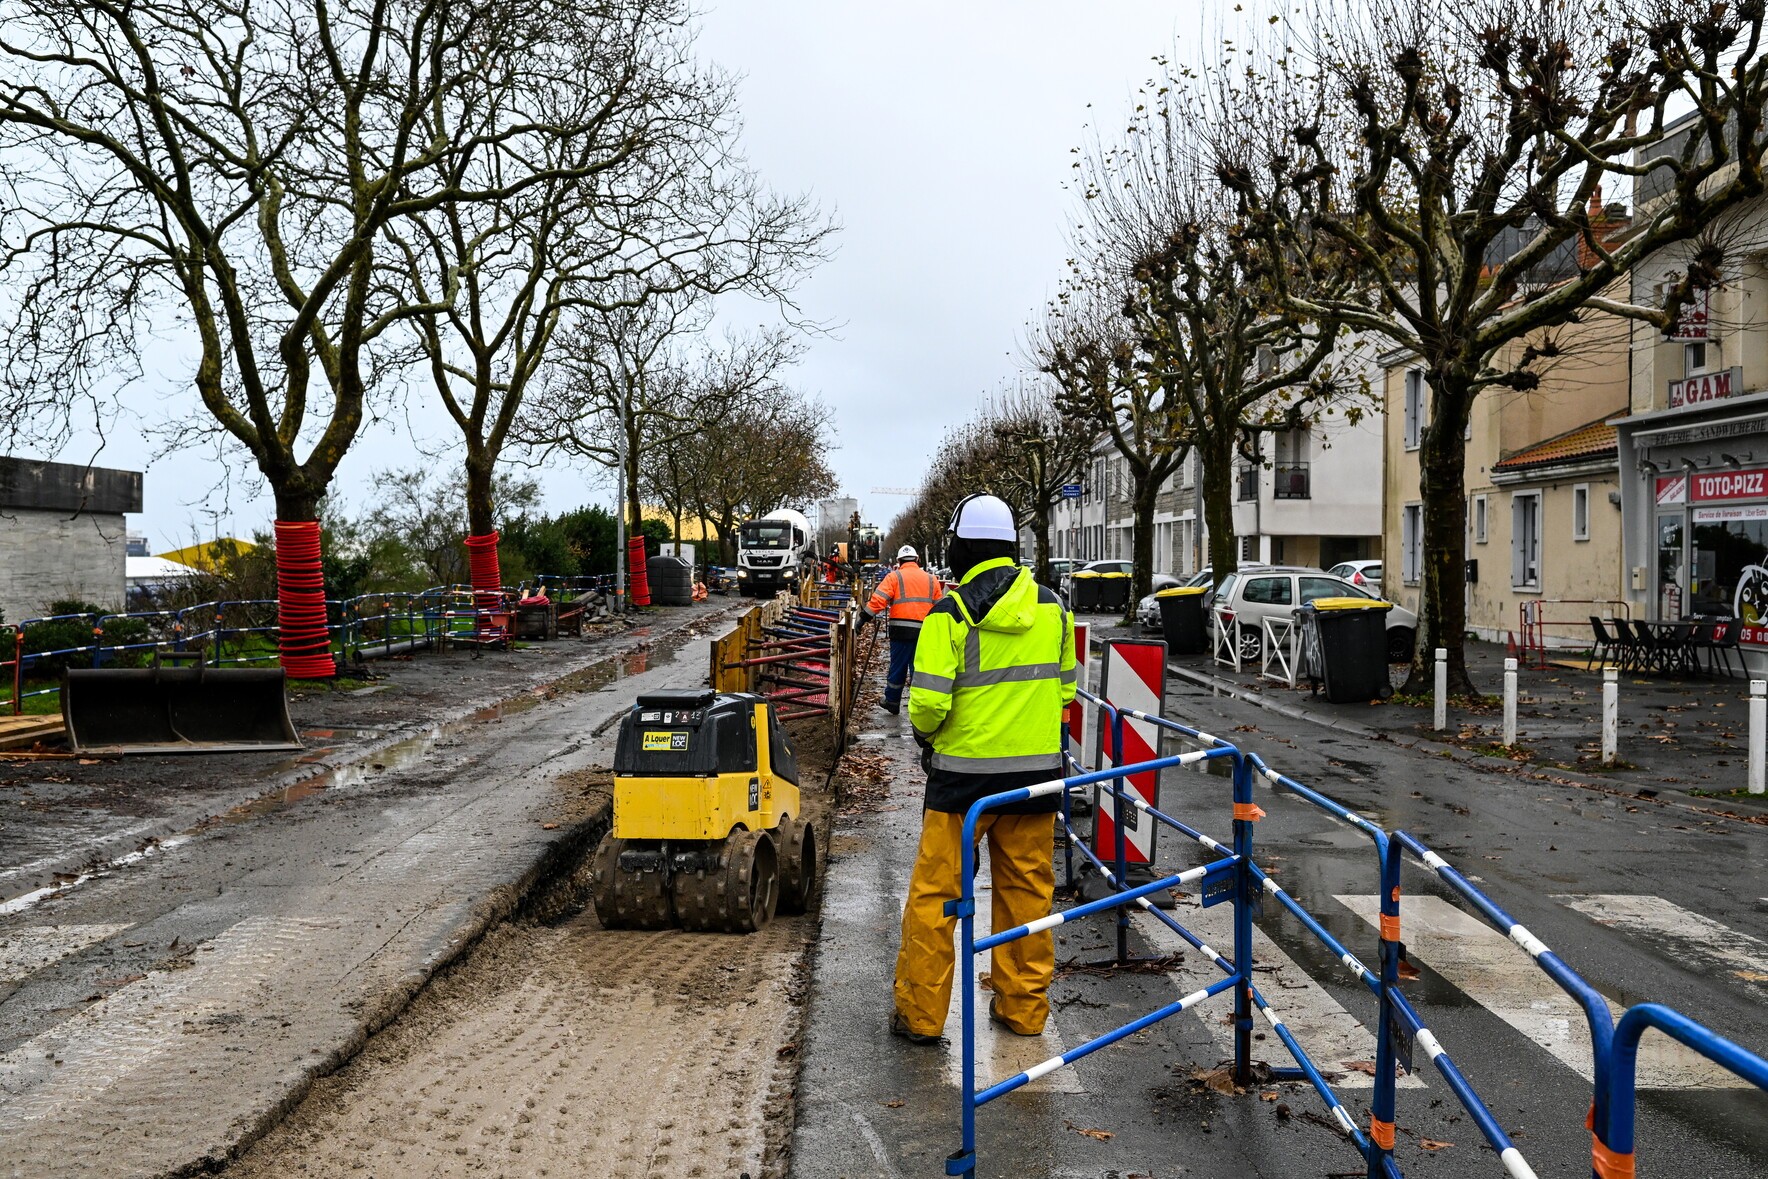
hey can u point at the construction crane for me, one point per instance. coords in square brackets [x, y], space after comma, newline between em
[893, 491]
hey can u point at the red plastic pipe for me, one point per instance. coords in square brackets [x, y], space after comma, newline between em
[487, 574]
[304, 642]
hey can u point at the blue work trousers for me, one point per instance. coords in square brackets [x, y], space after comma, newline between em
[902, 661]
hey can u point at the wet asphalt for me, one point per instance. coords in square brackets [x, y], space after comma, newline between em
[871, 1105]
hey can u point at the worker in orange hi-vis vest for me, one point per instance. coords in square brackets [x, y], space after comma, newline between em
[905, 594]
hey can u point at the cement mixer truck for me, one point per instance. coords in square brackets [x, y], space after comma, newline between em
[774, 553]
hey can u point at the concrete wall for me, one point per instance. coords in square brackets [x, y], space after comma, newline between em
[46, 555]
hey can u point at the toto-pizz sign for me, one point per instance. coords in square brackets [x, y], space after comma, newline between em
[1705, 487]
[1719, 386]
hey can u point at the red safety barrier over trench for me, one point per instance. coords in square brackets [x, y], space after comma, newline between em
[300, 603]
[487, 574]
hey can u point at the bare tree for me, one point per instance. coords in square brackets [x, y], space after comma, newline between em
[613, 157]
[1028, 451]
[1453, 152]
[1086, 347]
[221, 175]
[1213, 337]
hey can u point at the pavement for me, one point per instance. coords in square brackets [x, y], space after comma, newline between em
[1603, 878]
[1683, 739]
[157, 1017]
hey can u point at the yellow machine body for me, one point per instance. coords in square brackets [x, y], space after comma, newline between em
[708, 807]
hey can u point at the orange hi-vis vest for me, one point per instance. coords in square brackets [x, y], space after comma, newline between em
[908, 593]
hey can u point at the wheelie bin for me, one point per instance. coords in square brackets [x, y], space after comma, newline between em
[1181, 619]
[1086, 592]
[1114, 593]
[1344, 648]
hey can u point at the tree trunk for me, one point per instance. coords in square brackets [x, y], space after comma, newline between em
[634, 507]
[297, 499]
[1442, 598]
[1216, 451]
[1146, 491]
[1040, 537]
[481, 508]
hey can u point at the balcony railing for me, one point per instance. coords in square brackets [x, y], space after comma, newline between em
[1248, 483]
[1292, 482]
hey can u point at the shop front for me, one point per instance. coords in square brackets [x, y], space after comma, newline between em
[1698, 530]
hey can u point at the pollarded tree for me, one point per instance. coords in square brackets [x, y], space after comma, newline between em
[1452, 153]
[1215, 340]
[612, 157]
[1088, 350]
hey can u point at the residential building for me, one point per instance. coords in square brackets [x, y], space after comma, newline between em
[63, 534]
[1312, 498]
[1100, 523]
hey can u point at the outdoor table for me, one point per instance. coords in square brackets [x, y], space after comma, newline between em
[1673, 646]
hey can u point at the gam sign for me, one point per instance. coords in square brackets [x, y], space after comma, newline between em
[1706, 387]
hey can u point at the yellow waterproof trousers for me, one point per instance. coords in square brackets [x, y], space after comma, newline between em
[1023, 876]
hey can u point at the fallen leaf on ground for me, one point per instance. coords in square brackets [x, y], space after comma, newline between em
[549, 826]
[1366, 1067]
[1433, 1144]
[1268, 1095]
[1220, 1080]
[1752, 975]
[1095, 1135]
[985, 981]
[1407, 971]
[896, 1104]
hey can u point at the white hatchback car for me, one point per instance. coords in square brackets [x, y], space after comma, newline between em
[1251, 596]
[1366, 574]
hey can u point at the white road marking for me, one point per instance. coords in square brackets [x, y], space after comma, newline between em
[29, 949]
[1488, 968]
[1704, 944]
[1330, 1035]
[999, 1053]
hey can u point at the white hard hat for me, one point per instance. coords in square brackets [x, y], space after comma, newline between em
[983, 517]
[907, 553]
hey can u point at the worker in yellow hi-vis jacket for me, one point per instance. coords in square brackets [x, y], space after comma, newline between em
[993, 672]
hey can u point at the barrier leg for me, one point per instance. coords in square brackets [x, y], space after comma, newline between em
[962, 1162]
[1381, 1117]
[1117, 804]
[1245, 891]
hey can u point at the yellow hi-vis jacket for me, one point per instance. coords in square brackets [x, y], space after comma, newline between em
[993, 669]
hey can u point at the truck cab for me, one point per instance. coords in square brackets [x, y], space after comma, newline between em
[773, 553]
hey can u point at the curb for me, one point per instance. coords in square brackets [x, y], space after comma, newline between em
[1742, 810]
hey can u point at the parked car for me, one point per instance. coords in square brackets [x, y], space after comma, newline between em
[1364, 573]
[1253, 595]
[1060, 568]
[1148, 609]
[1206, 578]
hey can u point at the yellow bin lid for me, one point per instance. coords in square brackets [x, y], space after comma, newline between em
[1086, 573]
[1111, 575]
[1180, 591]
[1351, 604]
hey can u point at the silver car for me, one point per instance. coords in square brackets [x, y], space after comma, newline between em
[1250, 596]
[1366, 574]
[1148, 609]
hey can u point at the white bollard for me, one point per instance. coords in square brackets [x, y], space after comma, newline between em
[1758, 723]
[1611, 714]
[1441, 719]
[1509, 703]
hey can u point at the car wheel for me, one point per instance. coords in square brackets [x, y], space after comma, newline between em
[1399, 644]
[1252, 645]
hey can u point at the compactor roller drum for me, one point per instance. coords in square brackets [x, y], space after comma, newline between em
[708, 830]
[798, 865]
[631, 897]
[736, 892]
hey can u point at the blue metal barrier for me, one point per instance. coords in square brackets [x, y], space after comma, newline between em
[1236, 877]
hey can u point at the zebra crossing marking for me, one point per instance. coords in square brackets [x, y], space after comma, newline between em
[1699, 941]
[1485, 966]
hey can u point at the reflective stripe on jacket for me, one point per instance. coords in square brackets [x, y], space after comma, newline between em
[993, 669]
[907, 592]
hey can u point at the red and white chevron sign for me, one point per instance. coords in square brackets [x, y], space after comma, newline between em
[1077, 713]
[1133, 675]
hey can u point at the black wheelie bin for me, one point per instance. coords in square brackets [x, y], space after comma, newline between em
[1344, 648]
[1182, 620]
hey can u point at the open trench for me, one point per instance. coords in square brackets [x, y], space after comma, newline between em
[557, 1047]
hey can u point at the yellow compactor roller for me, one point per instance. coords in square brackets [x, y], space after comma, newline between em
[708, 830]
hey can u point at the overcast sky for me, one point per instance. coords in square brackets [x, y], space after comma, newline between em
[939, 135]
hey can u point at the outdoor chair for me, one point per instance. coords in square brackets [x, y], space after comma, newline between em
[1606, 645]
[1719, 640]
[1634, 647]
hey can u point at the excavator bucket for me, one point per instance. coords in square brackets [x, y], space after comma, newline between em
[176, 710]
